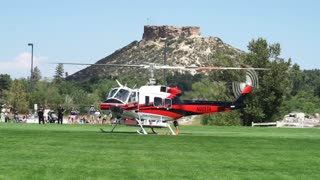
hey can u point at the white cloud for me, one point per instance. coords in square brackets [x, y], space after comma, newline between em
[20, 66]
[19, 62]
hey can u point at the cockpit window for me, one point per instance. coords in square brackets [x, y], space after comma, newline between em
[133, 97]
[122, 95]
[112, 92]
[157, 101]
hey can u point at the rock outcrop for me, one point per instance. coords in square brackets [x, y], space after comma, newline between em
[184, 47]
[156, 32]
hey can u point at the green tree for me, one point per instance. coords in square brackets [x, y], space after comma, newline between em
[39, 95]
[58, 77]
[102, 88]
[80, 100]
[36, 74]
[231, 118]
[5, 81]
[265, 102]
[206, 89]
[183, 80]
[311, 81]
[17, 96]
[303, 101]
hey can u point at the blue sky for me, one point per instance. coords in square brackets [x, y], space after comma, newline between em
[86, 31]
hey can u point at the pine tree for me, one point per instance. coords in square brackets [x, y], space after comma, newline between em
[36, 74]
[58, 77]
[5, 81]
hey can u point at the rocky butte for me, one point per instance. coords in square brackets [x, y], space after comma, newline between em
[156, 32]
[183, 46]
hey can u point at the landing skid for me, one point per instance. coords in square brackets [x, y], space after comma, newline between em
[102, 130]
[173, 133]
[142, 124]
[143, 131]
[111, 131]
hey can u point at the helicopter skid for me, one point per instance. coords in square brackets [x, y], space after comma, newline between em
[147, 123]
[143, 123]
[153, 124]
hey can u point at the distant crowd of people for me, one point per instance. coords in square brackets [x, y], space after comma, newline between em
[95, 116]
[5, 114]
[60, 116]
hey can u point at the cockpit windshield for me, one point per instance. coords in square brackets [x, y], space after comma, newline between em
[112, 92]
[122, 95]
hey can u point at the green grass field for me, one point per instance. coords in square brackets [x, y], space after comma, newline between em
[50, 151]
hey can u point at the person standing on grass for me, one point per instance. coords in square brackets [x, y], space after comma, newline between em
[40, 115]
[2, 111]
[60, 114]
[98, 115]
[104, 119]
[91, 114]
[73, 115]
[16, 117]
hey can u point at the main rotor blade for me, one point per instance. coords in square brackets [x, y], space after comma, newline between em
[119, 65]
[230, 68]
[208, 68]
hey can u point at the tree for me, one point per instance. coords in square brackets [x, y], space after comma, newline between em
[265, 102]
[17, 96]
[296, 79]
[102, 88]
[58, 77]
[39, 94]
[5, 81]
[207, 89]
[302, 102]
[36, 74]
[231, 118]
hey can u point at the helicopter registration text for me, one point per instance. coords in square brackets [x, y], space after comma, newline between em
[204, 109]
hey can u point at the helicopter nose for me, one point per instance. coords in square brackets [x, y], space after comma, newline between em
[116, 109]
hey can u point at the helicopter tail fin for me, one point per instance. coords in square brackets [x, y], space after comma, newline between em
[247, 90]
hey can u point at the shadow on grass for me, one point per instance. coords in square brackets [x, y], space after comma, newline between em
[117, 132]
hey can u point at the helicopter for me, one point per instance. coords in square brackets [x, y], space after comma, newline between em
[155, 106]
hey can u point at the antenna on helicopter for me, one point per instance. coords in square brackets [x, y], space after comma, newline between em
[119, 83]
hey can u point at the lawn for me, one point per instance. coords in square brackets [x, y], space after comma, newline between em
[52, 151]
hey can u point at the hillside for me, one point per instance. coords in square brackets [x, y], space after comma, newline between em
[185, 47]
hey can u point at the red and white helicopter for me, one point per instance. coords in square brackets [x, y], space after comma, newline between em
[155, 105]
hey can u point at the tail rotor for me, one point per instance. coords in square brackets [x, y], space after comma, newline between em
[251, 79]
